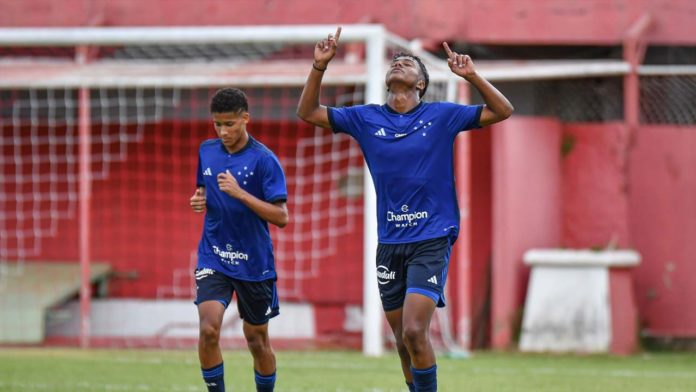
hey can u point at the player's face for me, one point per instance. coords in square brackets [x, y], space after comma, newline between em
[404, 70]
[231, 129]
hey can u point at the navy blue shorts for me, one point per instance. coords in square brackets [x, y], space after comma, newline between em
[416, 267]
[257, 302]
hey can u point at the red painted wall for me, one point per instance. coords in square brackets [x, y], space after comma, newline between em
[477, 21]
[662, 217]
[594, 185]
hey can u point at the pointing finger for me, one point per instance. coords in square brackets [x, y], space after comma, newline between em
[338, 34]
[447, 49]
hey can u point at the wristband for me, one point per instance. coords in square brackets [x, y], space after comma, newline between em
[317, 68]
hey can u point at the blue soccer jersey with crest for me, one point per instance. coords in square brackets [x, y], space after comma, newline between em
[410, 157]
[235, 240]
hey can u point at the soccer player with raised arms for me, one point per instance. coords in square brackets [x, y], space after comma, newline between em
[241, 187]
[408, 145]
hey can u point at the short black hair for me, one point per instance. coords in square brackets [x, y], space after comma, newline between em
[424, 71]
[229, 100]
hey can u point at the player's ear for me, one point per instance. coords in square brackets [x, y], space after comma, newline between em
[420, 85]
[245, 117]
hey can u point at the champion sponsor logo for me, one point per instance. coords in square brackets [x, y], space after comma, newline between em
[208, 172]
[384, 275]
[381, 132]
[203, 273]
[398, 135]
[433, 279]
[406, 218]
[230, 256]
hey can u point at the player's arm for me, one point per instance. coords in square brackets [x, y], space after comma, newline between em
[309, 108]
[197, 201]
[275, 213]
[497, 107]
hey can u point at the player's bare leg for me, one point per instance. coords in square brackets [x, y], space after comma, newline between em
[395, 319]
[264, 358]
[417, 313]
[210, 320]
[260, 347]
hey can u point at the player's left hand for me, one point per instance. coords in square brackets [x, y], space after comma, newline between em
[460, 64]
[229, 184]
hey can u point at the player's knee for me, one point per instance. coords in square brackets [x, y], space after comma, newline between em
[209, 333]
[414, 335]
[257, 342]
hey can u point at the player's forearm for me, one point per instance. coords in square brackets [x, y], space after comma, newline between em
[309, 107]
[495, 100]
[271, 213]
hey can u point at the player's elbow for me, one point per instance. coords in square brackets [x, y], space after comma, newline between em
[303, 113]
[282, 220]
[507, 111]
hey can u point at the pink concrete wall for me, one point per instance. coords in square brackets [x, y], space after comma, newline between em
[638, 192]
[492, 21]
[624, 313]
[662, 216]
[595, 203]
[526, 211]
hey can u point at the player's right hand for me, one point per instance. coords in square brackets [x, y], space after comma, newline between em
[198, 200]
[325, 49]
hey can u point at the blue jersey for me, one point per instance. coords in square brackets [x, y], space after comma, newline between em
[235, 240]
[410, 157]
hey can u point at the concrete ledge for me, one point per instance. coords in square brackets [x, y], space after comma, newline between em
[585, 257]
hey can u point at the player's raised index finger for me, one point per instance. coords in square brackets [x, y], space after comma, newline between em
[338, 33]
[447, 49]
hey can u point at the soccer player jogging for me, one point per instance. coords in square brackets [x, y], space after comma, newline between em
[241, 187]
[408, 146]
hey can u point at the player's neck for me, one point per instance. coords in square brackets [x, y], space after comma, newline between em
[240, 144]
[402, 101]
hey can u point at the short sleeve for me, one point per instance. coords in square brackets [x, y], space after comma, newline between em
[274, 186]
[345, 120]
[463, 117]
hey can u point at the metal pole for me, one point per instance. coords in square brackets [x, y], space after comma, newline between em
[84, 126]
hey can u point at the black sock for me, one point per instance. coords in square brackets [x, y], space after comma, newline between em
[425, 380]
[264, 383]
[214, 378]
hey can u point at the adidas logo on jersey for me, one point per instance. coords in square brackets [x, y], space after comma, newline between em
[208, 172]
[381, 132]
[268, 311]
[433, 279]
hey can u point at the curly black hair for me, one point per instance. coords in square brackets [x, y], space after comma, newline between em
[229, 100]
[424, 71]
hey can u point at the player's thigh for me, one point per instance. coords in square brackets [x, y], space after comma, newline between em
[257, 302]
[213, 294]
[255, 332]
[391, 276]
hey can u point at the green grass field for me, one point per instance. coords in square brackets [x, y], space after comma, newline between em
[74, 370]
